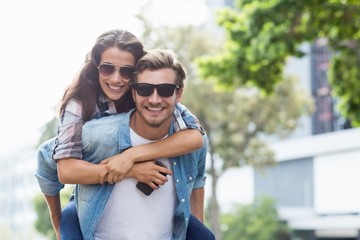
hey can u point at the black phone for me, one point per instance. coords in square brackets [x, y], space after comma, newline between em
[146, 189]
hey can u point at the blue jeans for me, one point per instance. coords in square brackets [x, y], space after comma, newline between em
[198, 231]
[70, 227]
[69, 222]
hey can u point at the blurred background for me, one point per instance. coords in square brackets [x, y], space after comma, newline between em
[274, 83]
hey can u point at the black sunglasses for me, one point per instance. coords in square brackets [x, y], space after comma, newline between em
[164, 90]
[107, 69]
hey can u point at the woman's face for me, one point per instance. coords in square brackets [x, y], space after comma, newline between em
[115, 83]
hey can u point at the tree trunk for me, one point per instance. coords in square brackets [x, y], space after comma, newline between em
[214, 205]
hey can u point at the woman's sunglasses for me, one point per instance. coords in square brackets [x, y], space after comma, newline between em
[164, 90]
[107, 69]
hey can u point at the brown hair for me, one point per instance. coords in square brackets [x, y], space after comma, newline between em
[158, 59]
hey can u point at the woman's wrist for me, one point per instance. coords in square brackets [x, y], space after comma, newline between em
[133, 154]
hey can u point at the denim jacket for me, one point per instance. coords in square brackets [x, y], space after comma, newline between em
[46, 171]
[108, 136]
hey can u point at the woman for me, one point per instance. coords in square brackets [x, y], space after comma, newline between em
[101, 88]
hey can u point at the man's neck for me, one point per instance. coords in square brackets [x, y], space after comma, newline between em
[146, 131]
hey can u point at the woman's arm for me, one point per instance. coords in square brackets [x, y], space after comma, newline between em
[77, 171]
[179, 143]
[115, 168]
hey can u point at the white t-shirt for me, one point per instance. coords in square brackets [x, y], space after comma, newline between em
[130, 214]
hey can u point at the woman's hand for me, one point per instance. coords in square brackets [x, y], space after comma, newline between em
[103, 173]
[117, 166]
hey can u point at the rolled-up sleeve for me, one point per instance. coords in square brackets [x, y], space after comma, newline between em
[200, 179]
[68, 140]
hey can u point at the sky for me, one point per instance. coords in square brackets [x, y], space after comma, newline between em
[44, 43]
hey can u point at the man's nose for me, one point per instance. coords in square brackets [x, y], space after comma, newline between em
[155, 97]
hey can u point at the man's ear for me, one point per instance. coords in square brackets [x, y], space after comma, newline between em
[133, 93]
[179, 94]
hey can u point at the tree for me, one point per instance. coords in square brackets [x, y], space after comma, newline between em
[261, 35]
[256, 222]
[236, 123]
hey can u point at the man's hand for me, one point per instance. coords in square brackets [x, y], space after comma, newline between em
[150, 173]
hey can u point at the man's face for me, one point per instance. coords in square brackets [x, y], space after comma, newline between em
[155, 110]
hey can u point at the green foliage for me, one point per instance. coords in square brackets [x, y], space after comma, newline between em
[261, 35]
[43, 222]
[259, 221]
[345, 81]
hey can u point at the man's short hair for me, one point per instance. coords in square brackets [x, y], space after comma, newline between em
[158, 59]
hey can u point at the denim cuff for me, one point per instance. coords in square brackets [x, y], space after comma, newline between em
[48, 187]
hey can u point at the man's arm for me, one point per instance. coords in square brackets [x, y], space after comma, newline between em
[54, 206]
[46, 175]
[198, 192]
[197, 203]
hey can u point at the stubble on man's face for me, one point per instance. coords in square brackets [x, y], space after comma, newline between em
[154, 119]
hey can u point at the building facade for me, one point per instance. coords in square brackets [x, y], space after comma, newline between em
[314, 182]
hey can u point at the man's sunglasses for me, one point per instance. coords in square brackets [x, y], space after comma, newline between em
[164, 90]
[107, 69]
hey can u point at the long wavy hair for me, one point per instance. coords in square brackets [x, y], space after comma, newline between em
[86, 87]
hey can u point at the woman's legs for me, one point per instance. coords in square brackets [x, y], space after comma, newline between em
[198, 231]
[69, 223]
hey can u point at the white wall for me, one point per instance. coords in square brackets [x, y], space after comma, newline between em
[336, 179]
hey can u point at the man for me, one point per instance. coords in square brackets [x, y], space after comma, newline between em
[122, 211]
